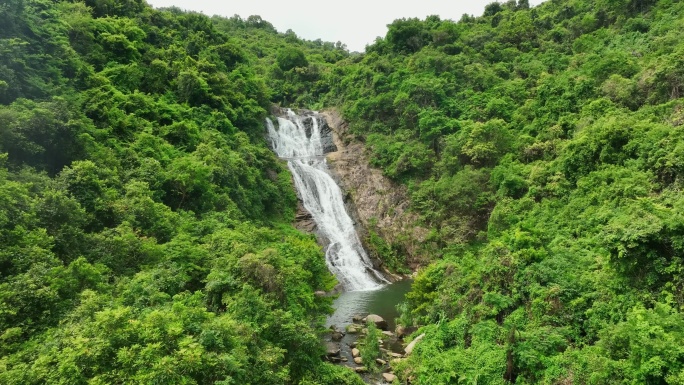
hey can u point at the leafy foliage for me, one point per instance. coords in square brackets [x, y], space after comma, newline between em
[541, 148]
[144, 224]
[370, 347]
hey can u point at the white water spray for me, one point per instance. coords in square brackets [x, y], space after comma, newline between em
[304, 150]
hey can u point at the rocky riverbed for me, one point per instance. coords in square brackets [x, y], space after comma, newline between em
[343, 347]
[348, 325]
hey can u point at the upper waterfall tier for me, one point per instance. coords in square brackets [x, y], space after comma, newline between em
[303, 140]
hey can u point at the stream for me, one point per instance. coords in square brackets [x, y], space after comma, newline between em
[382, 302]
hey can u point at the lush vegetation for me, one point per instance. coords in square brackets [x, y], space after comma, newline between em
[145, 229]
[543, 148]
[369, 346]
[145, 226]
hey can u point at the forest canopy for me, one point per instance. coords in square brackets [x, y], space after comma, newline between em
[146, 227]
[543, 149]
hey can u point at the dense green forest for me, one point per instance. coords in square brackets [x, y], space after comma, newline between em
[544, 148]
[145, 226]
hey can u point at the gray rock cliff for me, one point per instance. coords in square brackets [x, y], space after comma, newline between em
[377, 200]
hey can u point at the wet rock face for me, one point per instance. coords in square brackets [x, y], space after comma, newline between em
[327, 136]
[303, 219]
[325, 130]
[376, 199]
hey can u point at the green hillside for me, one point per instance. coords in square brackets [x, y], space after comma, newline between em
[544, 148]
[145, 229]
[145, 226]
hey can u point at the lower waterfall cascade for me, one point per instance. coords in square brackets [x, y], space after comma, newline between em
[299, 140]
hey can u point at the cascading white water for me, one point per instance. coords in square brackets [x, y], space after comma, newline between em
[321, 196]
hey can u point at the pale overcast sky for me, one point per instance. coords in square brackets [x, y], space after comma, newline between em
[353, 22]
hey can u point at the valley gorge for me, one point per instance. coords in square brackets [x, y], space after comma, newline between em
[305, 139]
[491, 198]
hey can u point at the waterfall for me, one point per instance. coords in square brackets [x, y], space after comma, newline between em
[299, 140]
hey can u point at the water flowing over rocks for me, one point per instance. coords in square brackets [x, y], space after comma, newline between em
[376, 198]
[303, 140]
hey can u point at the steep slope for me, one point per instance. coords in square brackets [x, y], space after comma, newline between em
[542, 148]
[145, 229]
[145, 226]
[391, 232]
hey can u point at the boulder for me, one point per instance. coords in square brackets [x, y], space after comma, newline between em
[352, 329]
[358, 360]
[336, 336]
[361, 369]
[389, 377]
[403, 331]
[377, 320]
[355, 352]
[332, 349]
[408, 349]
[319, 293]
[380, 361]
[388, 333]
[400, 331]
[357, 318]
